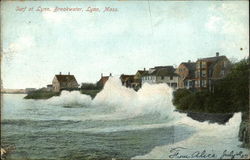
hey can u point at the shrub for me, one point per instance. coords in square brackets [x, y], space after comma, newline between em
[179, 94]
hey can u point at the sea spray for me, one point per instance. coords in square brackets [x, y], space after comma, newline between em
[150, 99]
[70, 99]
[119, 102]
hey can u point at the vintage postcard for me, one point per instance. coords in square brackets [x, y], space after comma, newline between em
[110, 80]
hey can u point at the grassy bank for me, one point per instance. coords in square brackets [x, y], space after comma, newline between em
[92, 93]
[48, 94]
[41, 95]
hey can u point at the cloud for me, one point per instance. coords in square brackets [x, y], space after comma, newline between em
[213, 23]
[20, 44]
[228, 18]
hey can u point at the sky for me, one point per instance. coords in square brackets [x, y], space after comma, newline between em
[140, 34]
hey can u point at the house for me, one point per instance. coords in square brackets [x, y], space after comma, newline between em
[162, 74]
[186, 72]
[138, 78]
[103, 80]
[210, 69]
[64, 82]
[127, 80]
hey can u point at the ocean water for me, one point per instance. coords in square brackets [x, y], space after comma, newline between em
[118, 123]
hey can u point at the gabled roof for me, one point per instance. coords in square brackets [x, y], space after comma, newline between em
[130, 78]
[103, 79]
[212, 59]
[65, 78]
[158, 67]
[163, 71]
[190, 65]
[142, 72]
[125, 77]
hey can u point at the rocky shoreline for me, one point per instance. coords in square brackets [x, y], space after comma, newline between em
[220, 118]
[244, 130]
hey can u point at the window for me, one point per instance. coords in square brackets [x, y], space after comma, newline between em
[162, 77]
[198, 65]
[171, 77]
[203, 64]
[190, 83]
[203, 73]
[174, 85]
[204, 84]
[197, 83]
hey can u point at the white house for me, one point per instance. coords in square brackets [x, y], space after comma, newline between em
[162, 74]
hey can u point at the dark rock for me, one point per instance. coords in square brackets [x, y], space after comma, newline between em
[244, 130]
[220, 118]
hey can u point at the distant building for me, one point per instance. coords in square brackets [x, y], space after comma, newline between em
[64, 82]
[161, 74]
[103, 80]
[186, 71]
[127, 80]
[138, 78]
[208, 70]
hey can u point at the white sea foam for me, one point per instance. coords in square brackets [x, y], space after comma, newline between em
[73, 98]
[122, 102]
[213, 138]
[128, 103]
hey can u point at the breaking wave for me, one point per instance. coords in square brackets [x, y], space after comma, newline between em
[121, 102]
[74, 98]
[209, 137]
[150, 99]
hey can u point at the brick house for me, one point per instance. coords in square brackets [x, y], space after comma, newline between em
[64, 82]
[186, 71]
[210, 69]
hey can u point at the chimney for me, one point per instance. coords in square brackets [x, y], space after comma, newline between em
[60, 73]
[101, 75]
[144, 69]
[68, 73]
[217, 54]
[110, 74]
